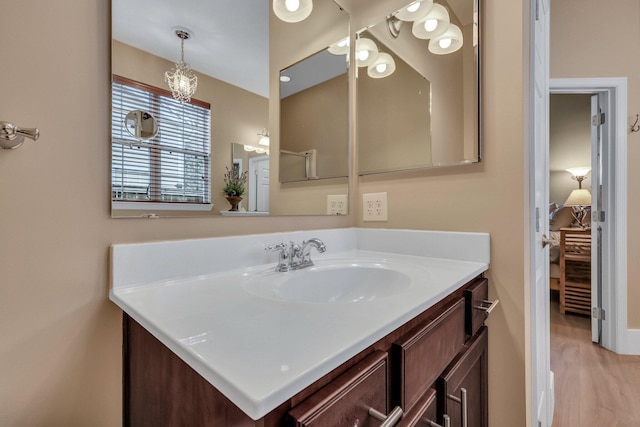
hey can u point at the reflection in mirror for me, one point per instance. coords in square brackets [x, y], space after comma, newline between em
[232, 51]
[141, 124]
[418, 88]
[314, 115]
[245, 158]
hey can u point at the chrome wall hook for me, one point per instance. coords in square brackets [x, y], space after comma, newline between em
[11, 136]
[635, 127]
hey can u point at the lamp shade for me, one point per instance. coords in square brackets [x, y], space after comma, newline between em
[434, 24]
[383, 66]
[579, 197]
[449, 42]
[292, 10]
[415, 10]
[340, 47]
[366, 52]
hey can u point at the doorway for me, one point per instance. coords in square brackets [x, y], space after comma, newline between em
[610, 269]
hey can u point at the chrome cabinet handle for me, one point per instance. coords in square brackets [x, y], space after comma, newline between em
[387, 420]
[446, 422]
[11, 136]
[462, 400]
[487, 306]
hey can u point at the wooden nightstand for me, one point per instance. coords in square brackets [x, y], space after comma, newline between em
[575, 270]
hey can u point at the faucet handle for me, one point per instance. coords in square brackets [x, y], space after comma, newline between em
[276, 247]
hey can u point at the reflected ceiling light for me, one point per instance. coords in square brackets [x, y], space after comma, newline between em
[181, 79]
[448, 42]
[340, 47]
[366, 52]
[264, 137]
[415, 10]
[383, 66]
[433, 25]
[285, 79]
[292, 10]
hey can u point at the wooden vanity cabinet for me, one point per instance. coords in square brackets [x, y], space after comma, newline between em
[413, 367]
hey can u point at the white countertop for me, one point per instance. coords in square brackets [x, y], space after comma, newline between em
[261, 351]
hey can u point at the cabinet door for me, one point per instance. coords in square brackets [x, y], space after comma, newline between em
[346, 400]
[463, 385]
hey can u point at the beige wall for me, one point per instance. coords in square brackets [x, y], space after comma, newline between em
[61, 337]
[592, 40]
[569, 143]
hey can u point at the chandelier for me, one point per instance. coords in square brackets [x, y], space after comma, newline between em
[181, 79]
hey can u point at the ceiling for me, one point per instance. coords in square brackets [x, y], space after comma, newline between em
[230, 38]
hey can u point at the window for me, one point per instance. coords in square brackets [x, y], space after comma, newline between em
[173, 167]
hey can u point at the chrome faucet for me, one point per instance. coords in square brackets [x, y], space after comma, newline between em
[294, 256]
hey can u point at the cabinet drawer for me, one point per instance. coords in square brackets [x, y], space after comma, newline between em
[475, 298]
[424, 411]
[423, 353]
[346, 400]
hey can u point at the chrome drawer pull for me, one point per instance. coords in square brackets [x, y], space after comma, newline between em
[488, 306]
[388, 420]
[462, 400]
[447, 422]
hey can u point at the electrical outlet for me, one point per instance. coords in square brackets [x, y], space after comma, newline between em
[337, 204]
[374, 207]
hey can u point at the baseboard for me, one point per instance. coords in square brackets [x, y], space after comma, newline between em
[633, 341]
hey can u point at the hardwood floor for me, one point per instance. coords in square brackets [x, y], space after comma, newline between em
[593, 386]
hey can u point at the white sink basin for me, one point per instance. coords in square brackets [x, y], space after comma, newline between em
[331, 283]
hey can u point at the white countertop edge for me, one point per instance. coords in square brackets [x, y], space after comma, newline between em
[257, 407]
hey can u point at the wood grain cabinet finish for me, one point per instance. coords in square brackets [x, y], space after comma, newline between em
[425, 352]
[347, 399]
[475, 298]
[469, 372]
[413, 367]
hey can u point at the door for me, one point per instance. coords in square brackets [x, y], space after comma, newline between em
[598, 120]
[540, 399]
[259, 184]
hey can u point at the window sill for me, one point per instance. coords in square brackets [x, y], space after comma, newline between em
[160, 206]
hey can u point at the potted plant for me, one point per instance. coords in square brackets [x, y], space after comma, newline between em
[234, 187]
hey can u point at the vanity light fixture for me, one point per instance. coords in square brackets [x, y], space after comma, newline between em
[449, 42]
[434, 24]
[292, 10]
[415, 10]
[383, 66]
[264, 137]
[181, 79]
[340, 47]
[366, 52]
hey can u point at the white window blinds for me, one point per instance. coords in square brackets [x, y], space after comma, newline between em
[172, 167]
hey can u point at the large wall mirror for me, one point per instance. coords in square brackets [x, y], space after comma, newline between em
[418, 88]
[230, 47]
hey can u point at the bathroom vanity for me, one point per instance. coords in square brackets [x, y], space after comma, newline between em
[210, 348]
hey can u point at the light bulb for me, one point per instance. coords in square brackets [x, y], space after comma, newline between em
[381, 68]
[413, 7]
[430, 25]
[444, 43]
[184, 82]
[292, 5]
[363, 55]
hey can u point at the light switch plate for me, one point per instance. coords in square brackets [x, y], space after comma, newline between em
[374, 207]
[337, 204]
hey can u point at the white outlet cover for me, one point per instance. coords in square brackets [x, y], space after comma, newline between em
[374, 207]
[337, 204]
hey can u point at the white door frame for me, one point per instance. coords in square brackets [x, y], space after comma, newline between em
[615, 332]
[254, 189]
